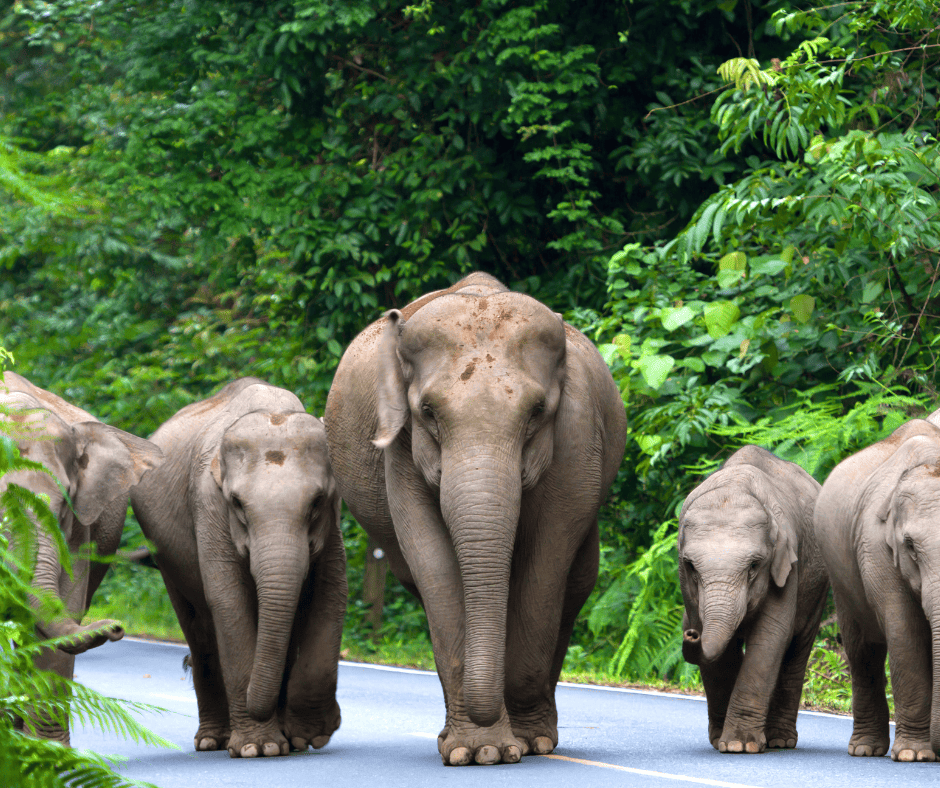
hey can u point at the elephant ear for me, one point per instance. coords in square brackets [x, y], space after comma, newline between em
[392, 398]
[881, 487]
[783, 533]
[107, 463]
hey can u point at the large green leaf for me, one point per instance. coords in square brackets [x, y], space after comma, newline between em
[720, 316]
[655, 369]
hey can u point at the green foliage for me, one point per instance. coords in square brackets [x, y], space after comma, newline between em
[29, 693]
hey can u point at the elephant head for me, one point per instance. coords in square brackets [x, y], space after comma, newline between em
[736, 538]
[905, 494]
[277, 498]
[91, 465]
[476, 383]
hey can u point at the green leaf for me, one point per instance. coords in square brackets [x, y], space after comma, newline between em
[674, 318]
[733, 261]
[767, 267]
[655, 369]
[802, 307]
[720, 316]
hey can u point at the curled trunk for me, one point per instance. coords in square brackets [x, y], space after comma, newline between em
[480, 499]
[279, 569]
[722, 607]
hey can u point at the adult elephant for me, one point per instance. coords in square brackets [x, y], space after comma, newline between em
[244, 516]
[876, 525]
[474, 435]
[96, 465]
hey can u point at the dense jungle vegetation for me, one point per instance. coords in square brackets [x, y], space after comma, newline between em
[736, 200]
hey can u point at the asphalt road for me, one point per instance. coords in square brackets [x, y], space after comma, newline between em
[391, 718]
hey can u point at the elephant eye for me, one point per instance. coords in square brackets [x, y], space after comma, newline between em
[317, 500]
[539, 409]
[690, 568]
[427, 410]
[909, 544]
[237, 502]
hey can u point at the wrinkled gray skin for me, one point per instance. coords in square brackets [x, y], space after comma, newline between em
[876, 523]
[751, 575]
[244, 516]
[474, 435]
[97, 465]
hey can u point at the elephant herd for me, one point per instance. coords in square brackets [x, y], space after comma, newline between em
[474, 435]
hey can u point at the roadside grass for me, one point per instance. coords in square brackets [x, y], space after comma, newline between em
[135, 595]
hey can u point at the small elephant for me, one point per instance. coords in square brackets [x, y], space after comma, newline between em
[244, 517]
[474, 435]
[751, 575]
[876, 524]
[97, 465]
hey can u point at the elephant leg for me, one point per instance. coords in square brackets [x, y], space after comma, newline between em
[311, 714]
[38, 724]
[432, 563]
[229, 593]
[545, 598]
[781, 730]
[718, 680]
[909, 649]
[211, 699]
[869, 702]
[767, 641]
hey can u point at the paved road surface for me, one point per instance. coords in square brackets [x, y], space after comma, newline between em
[391, 718]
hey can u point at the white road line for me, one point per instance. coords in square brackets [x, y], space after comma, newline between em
[648, 773]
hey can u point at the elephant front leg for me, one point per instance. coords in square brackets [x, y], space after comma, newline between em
[870, 715]
[909, 642]
[311, 714]
[718, 679]
[545, 598]
[236, 634]
[42, 725]
[431, 560]
[766, 642]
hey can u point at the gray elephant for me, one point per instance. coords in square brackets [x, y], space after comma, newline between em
[876, 523]
[244, 517]
[474, 435]
[97, 465]
[752, 577]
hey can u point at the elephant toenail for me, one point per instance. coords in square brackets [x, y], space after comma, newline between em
[320, 741]
[543, 745]
[460, 756]
[487, 754]
[512, 754]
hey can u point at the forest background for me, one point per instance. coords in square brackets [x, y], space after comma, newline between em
[736, 200]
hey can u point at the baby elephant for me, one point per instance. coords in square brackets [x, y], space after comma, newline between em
[876, 523]
[751, 574]
[244, 515]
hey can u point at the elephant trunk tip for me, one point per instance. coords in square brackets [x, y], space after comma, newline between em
[260, 709]
[692, 646]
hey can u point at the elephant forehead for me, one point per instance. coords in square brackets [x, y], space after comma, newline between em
[727, 510]
[273, 437]
[476, 322]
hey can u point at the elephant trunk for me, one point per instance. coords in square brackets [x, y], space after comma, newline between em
[692, 646]
[722, 608]
[279, 568]
[481, 491]
[934, 619]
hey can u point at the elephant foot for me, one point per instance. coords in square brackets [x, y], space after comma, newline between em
[909, 750]
[259, 741]
[736, 739]
[864, 746]
[538, 737]
[211, 737]
[311, 728]
[714, 733]
[781, 738]
[461, 743]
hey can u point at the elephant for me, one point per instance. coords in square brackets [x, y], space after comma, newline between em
[751, 576]
[96, 465]
[244, 519]
[876, 526]
[474, 435]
